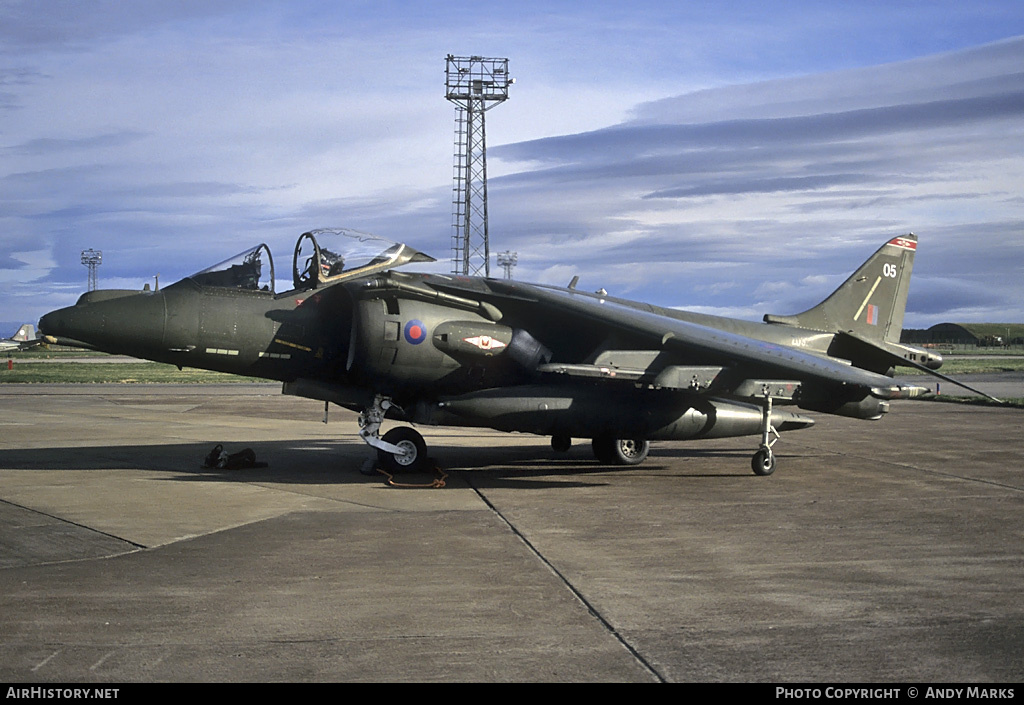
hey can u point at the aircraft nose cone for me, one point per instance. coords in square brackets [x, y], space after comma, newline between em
[52, 323]
[114, 321]
[74, 322]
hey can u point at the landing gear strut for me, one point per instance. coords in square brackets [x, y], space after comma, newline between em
[401, 449]
[763, 462]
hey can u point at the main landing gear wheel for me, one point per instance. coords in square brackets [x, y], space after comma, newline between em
[413, 457]
[620, 451]
[763, 462]
[560, 443]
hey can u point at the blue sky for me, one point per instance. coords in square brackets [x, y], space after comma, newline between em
[735, 158]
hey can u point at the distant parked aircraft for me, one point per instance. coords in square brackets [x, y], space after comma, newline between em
[24, 339]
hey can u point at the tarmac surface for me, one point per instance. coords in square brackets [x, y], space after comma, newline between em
[886, 551]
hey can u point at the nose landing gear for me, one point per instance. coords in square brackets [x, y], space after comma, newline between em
[402, 449]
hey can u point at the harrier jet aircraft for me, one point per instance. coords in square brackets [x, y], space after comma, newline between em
[433, 349]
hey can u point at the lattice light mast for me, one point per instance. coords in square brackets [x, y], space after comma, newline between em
[92, 259]
[508, 260]
[475, 84]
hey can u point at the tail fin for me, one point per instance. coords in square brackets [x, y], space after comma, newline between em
[26, 333]
[870, 304]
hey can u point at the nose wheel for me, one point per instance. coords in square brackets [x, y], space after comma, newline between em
[412, 455]
[401, 449]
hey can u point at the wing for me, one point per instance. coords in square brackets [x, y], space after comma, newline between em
[746, 356]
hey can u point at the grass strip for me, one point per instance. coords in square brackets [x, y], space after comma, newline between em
[24, 372]
[953, 366]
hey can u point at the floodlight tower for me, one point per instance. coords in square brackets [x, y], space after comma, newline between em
[475, 84]
[92, 259]
[508, 260]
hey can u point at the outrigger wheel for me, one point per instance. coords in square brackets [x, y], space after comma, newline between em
[413, 457]
[763, 462]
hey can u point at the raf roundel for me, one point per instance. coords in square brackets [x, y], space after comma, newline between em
[415, 332]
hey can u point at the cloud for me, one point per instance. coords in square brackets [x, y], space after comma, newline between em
[818, 172]
[26, 266]
[50, 145]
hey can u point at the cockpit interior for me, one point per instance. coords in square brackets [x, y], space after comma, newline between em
[324, 256]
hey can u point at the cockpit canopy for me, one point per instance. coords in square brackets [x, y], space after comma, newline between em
[252, 270]
[331, 255]
[324, 256]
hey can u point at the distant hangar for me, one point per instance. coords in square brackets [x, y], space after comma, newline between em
[985, 334]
